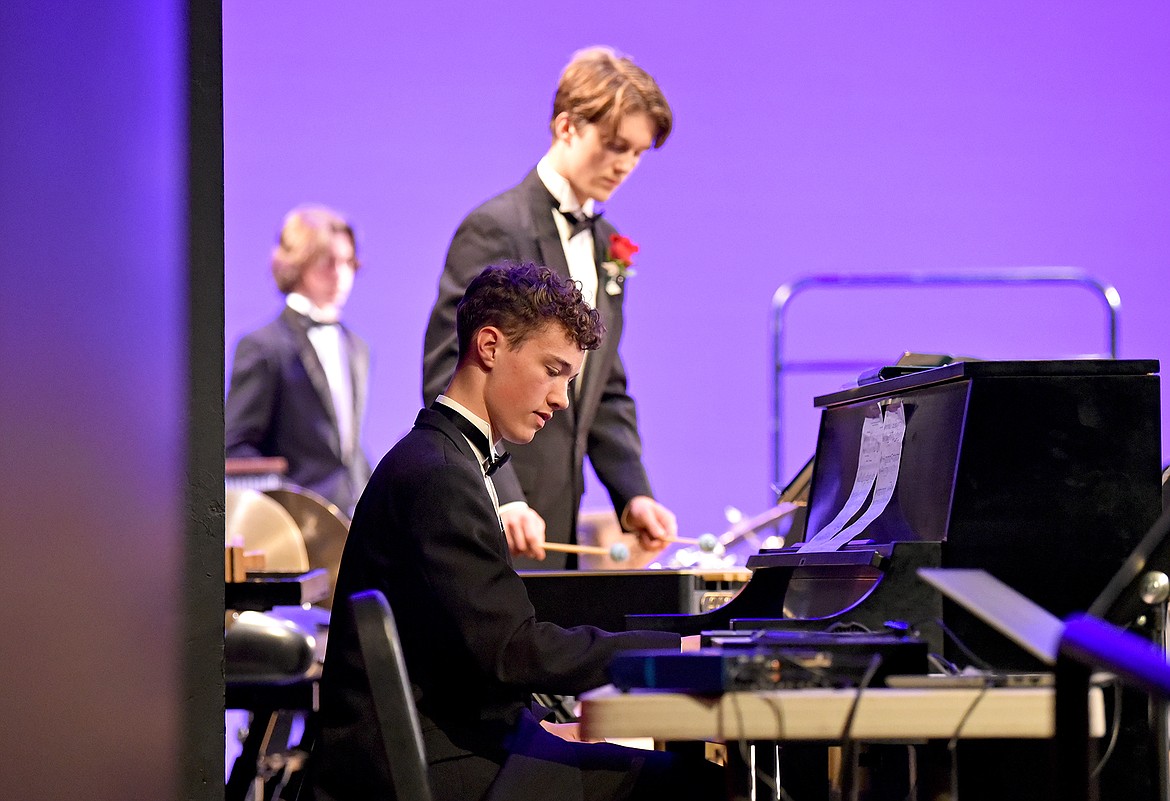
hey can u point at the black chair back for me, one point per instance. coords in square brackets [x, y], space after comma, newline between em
[391, 693]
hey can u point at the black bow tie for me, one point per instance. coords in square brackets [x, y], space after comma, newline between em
[492, 465]
[579, 221]
[472, 432]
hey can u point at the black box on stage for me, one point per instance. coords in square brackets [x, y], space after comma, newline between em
[771, 660]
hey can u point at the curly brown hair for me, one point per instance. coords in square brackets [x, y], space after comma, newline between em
[520, 299]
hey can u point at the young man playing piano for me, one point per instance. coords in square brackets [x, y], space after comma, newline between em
[427, 533]
[607, 113]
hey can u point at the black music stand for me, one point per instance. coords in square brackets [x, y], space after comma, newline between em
[1135, 598]
[1090, 644]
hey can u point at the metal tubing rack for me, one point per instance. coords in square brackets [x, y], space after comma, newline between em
[788, 292]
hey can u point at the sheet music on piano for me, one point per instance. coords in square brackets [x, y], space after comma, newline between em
[1043, 473]
[879, 458]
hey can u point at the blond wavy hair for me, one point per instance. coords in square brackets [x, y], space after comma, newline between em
[601, 86]
[306, 236]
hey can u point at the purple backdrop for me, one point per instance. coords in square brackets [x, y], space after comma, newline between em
[810, 138]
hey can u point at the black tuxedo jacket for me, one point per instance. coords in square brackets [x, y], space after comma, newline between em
[425, 533]
[517, 226]
[279, 404]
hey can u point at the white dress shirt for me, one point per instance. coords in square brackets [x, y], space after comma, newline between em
[578, 249]
[333, 354]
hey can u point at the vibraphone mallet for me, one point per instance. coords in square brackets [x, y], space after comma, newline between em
[618, 552]
[707, 542]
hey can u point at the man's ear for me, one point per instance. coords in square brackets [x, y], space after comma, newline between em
[488, 342]
[563, 127]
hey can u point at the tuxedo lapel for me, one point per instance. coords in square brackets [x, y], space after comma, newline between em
[358, 375]
[553, 255]
[539, 204]
[537, 210]
[600, 251]
[436, 420]
[599, 362]
[597, 359]
[316, 373]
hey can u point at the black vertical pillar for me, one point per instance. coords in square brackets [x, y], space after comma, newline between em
[110, 424]
[202, 743]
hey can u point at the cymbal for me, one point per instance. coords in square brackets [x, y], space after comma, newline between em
[265, 526]
[323, 527]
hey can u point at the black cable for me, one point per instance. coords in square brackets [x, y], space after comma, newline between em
[942, 665]
[912, 766]
[975, 659]
[849, 627]
[953, 744]
[849, 750]
[1115, 727]
[742, 745]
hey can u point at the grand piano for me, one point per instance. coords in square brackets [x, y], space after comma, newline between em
[1043, 473]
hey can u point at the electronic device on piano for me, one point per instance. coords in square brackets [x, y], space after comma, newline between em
[767, 660]
[1043, 473]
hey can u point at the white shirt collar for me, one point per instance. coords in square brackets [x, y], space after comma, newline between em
[302, 305]
[476, 421]
[558, 186]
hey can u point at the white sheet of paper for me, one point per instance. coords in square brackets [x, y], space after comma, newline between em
[868, 461]
[893, 433]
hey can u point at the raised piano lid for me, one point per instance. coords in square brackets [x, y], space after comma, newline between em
[1045, 474]
[972, 369]
[933, 461]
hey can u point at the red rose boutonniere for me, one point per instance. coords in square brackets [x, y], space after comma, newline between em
[620, 264]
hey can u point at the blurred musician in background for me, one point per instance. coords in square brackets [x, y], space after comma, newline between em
[427, 534]
[298, 385]
[606, 114]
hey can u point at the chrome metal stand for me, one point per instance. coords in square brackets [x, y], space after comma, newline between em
[789, 292]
